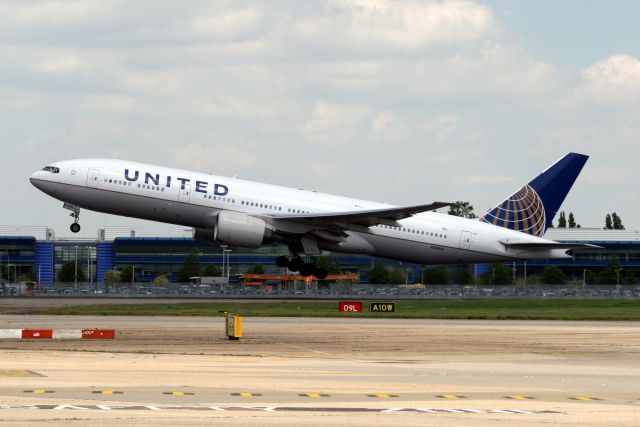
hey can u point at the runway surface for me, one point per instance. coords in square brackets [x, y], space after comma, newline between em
[289, 371]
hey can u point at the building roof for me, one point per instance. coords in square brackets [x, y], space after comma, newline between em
[592, 235]
[37, 231]
[113, 232]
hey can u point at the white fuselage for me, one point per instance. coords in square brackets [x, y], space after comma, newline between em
[192, 199]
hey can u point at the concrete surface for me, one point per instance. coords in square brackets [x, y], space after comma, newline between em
[292, 371]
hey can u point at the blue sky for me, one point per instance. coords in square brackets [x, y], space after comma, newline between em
[403, 101]
[572, 32]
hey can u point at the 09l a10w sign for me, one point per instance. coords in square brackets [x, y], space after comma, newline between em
[382, 307]
[374, 307]
[350, 306]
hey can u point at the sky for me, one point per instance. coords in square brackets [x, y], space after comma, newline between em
[404, 102]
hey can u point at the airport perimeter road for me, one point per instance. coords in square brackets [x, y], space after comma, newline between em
[290, 371]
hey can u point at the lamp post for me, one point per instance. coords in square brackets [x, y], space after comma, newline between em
[76, 273]
[228, 266]
[223, 248]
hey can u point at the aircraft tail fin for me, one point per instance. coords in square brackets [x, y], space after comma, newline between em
[532, 208]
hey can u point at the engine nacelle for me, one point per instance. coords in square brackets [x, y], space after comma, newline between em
[236, 229]
[206, 235]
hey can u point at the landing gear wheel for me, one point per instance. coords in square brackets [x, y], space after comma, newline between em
[320, 273]
[295, 264]
[282, 261]
[306, 270]
[75, 227]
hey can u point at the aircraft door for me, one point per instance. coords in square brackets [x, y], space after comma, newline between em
[93, 176]
[465, 240]
[185, 193]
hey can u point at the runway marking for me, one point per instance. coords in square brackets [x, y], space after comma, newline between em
[68, 407]
[246, 394]
[107, 392]
[39, 391]
[315, 395]
[382, 395]
[519, 397]
[584, 398]
[15, 373]
[450, 396]
[179, 393]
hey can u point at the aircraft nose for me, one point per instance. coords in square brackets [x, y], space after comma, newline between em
[35, 178]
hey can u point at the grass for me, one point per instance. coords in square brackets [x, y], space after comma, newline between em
[507, 309]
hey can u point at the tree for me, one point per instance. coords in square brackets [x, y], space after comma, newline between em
[464, 277]
[327, 262]
[562, 220]
[617, 222]
[552, 275]
[572, 220]
[190, 268]
[498, 274]
[126, 274]
[379, 274]
[436, 276]
[463, 209]
[256, 269]
[111, 277]
[397, 276]
[161, 279]
[68, 272]
[609, 276]
[211, 270]
[607, 223]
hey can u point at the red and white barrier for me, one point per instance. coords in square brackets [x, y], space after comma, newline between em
[48, 334]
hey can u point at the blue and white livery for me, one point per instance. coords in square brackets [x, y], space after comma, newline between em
[250, 214]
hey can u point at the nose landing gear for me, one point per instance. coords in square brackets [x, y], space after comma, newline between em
[304, 267]
[75, 227]
[75, 213]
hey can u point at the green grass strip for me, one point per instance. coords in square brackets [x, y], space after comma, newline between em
[516, 309]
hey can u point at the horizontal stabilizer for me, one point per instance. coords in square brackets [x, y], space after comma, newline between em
[545, 246]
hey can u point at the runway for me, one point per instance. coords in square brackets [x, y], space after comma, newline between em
[289, 371]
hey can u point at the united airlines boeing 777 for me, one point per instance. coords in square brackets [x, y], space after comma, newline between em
[250, 214]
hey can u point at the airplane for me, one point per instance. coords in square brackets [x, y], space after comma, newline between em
[249, 214]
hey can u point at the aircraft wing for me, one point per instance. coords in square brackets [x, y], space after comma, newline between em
[365, 218]
[544, 246]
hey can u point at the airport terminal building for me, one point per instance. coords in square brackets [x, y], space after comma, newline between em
[34, 253]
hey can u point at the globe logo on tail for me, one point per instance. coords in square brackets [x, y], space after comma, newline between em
[523, 211]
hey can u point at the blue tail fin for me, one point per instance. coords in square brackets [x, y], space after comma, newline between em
[532, 208]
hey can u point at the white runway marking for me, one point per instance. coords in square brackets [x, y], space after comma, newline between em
[68, 407]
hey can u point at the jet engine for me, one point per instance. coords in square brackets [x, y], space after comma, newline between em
[236, 229]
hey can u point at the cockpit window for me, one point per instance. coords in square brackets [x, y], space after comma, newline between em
[51, 169]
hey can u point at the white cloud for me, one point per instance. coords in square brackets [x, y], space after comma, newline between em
[397, 25]
[227, 25]
[402, 101]
[613, 81]
[331, 117]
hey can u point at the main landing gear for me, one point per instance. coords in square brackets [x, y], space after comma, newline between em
[305, 267]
